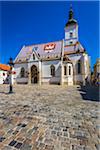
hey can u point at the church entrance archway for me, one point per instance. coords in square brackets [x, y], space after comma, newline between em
[34, 74]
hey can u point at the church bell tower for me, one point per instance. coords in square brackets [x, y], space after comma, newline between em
[71, 29]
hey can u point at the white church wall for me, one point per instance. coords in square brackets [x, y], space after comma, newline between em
[87, 62]
[78, 78]
[75, 57]
[74, 31]
[86, 67]
[46, 72]
[17, 68]
[67, 42]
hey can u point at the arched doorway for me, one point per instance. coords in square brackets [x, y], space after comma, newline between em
[34, 74]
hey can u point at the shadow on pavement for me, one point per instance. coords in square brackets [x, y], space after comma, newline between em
[6, 93]
[89, 92]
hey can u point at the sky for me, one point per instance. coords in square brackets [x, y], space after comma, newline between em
[32, 22]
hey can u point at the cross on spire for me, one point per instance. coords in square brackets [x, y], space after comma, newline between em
[71, 12]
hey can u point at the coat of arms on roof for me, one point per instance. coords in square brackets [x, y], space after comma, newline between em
[50, 46]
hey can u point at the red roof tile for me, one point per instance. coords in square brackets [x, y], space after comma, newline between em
[4, 67]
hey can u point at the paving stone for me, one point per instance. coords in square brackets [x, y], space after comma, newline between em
[18, 145]
[10, 131]
[65, 134]
[12, 143]
[26, 147]
[15, 132]
[23, 125]
[77, 147]
[48, 147]
[8, 148]
[48, 117]
[53, 132]
[2, 139]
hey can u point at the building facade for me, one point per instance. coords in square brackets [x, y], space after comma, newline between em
[58, 62]
[4, 77]
[96, 73]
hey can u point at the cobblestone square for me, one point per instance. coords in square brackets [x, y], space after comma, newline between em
[49, 117]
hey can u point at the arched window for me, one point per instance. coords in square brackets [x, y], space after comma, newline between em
[69, 70]
[52, 70]
[79, 67]
[65, 70]
[22, 72]
[33, 57]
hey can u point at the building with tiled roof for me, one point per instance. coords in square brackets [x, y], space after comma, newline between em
[4, 69]
[58, 62]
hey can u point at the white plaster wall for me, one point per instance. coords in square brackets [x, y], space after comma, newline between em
[22, 80]
[74, 39]
[74, 58]
[17, 68]
[67, 42]
[2, 77]
[46, 73]
[86, 63]
[72, 29]
[78, 78]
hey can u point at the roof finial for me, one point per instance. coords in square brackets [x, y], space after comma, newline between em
[71, 19]
[71, 12]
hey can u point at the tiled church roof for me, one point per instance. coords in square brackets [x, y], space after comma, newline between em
[42, 50]
[72, 49]
[47, 51]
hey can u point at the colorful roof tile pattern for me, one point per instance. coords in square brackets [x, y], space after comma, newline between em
[47, 51]
[72, 49]
[52, 49]
[4, 67]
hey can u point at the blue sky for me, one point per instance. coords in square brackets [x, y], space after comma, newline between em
[30, 22]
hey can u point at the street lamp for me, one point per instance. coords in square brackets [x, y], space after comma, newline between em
[11, 64]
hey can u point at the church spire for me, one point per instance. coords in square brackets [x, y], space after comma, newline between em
[71, 20]
[71, 13]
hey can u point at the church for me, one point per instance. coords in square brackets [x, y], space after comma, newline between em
[59, 62]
